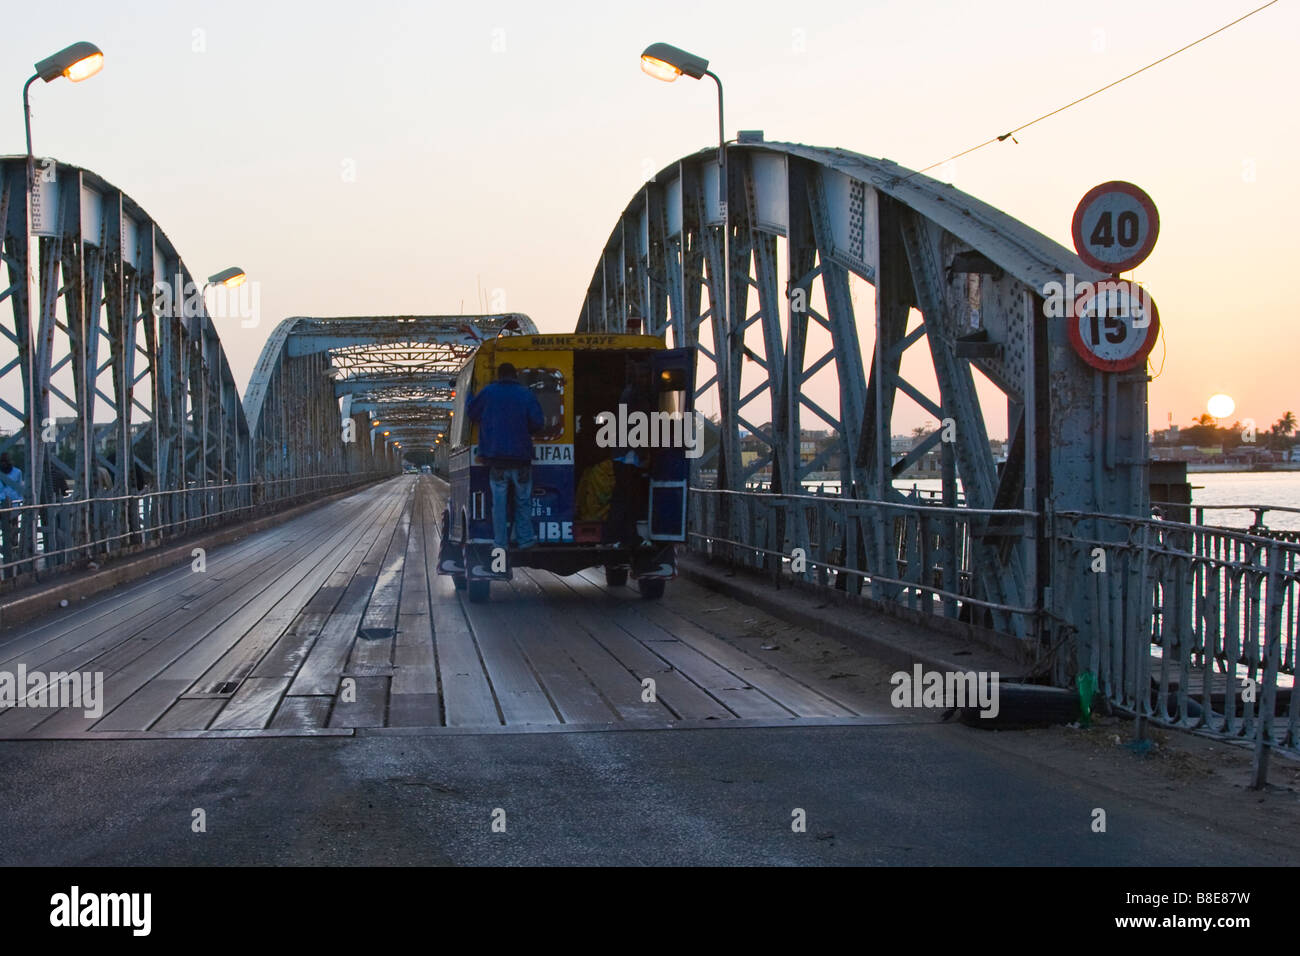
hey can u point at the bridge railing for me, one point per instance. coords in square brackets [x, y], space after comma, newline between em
[1227, 513]
[831, 540]
[1184, 624]
[69, 531]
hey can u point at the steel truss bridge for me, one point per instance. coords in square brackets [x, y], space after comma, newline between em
[806, 239]
[117, 402]
[944, 273]
[839, 267]
[392, 377]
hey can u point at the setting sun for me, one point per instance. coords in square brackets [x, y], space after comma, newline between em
[1220, 406]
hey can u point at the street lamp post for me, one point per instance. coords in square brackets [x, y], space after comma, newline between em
[666, 62]
[663, 61]
[77, 62]
[231, 278]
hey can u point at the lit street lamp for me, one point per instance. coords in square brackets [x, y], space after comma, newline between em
[666, 62]
[77, 62]
[231, 278]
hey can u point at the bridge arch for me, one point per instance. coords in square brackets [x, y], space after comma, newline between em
[113, 380]
[810, 227]
[391, 376]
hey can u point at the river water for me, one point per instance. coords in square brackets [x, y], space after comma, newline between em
[1278, 488]
[1273, 488]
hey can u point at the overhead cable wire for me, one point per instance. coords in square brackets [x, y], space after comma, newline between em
[1010, 134]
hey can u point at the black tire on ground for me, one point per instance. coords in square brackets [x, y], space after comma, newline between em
[1029, 705]
[479, 591]
[459, 581]
[651, 588]
[615, 577]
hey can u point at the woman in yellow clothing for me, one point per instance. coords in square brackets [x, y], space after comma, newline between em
[595, 492]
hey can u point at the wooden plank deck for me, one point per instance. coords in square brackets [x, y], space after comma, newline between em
[337, 619]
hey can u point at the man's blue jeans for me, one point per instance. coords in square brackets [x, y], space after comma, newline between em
[501, 478]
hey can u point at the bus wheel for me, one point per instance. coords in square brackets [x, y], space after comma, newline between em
[459, 581]
[651, 588]
[479, 591]
[615, 577]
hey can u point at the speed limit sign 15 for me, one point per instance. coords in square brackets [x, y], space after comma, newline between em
[1115, 227]
[1114, 324]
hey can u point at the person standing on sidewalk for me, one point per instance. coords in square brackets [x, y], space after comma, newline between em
[508, 413]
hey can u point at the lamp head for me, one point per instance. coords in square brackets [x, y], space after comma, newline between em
[78, 62]
[666, 62]
[232, 278]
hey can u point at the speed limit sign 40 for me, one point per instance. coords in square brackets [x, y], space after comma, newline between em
[1115, 227]
[1114, 324]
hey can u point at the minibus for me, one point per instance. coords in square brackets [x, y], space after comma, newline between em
[578, 379]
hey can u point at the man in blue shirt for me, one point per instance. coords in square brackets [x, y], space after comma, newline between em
[508, 414]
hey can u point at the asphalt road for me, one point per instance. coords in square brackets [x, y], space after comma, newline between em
[883, 795]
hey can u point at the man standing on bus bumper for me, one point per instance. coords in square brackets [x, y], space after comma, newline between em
[508, 414]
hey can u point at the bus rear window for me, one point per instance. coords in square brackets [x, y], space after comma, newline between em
[548, 385]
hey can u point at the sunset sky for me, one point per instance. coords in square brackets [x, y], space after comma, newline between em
[494, 144]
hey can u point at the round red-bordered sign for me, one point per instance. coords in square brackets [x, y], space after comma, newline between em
[1115, 227]
[1113, 325]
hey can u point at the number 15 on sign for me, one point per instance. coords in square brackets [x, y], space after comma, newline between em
[1114, 325]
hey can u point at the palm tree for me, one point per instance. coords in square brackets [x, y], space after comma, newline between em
[1280, 433]
[1204, 419]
